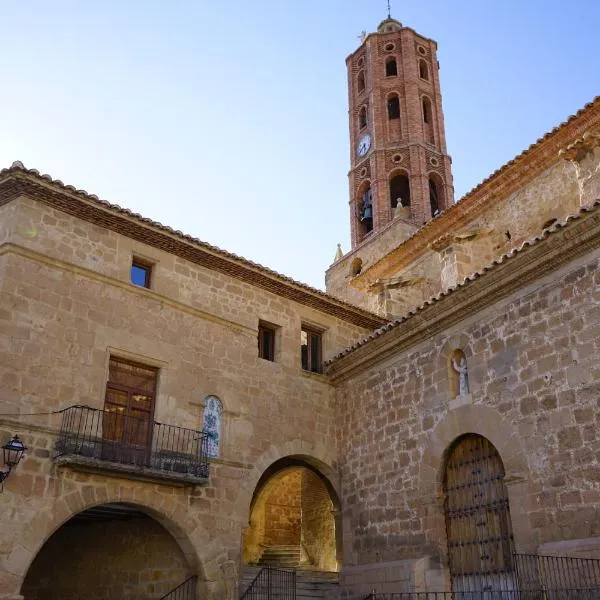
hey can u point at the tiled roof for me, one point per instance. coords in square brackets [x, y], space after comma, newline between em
[394, 324]
[17, 180]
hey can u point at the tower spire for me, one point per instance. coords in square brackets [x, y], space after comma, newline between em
[389, 10]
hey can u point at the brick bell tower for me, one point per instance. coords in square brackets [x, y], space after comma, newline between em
[400, 168]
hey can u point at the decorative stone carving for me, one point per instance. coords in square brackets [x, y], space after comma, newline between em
[459, 364]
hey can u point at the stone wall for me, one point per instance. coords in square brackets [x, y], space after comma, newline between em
[534, 383]
[318, 525]
[283, 511]
[129, 560]
[68, 305]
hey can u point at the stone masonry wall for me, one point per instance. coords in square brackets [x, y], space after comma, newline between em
[318, 526]
[283, 512]
[129, 560]
[534, 383]
[68, 305]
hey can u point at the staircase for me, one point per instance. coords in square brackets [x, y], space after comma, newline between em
[310, 585]
[282, 557]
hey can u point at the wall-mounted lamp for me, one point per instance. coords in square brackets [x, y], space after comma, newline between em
[12, 452]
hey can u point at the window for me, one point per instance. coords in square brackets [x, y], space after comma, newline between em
[211, 424]
[141, 272]
[129, 410]
[423, 70]
[391, 67]
[362, 118]
[393, 107]
[361, 82]
[426, 110]
[365, 210]
[399, 191]
[434, 198]
[266, 341]
[310, 343]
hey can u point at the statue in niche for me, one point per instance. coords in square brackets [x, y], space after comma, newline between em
[459, 364]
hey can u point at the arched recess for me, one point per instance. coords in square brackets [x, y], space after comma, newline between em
[364, 209]
[423, 69]
[399, 188]
[427, 113]
[436, 194]
[391, 67]
[294, 516]
[477, 517]
[109, 550]
[360, 82]
[362, 117]
[192, 538]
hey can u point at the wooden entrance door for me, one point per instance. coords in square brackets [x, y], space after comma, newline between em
[480, 540]
[128, 412]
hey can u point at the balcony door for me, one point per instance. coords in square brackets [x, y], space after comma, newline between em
[128, 412]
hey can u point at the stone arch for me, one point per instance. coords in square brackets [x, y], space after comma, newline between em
[472, 418]
[286, 476]
[191, 537]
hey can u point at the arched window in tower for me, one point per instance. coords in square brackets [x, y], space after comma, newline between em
[391, 67]
[423, 70]
[427, 120]
[365, 210]
[399, 191]
[393, 107]
[211, 425]
[361, 82]
[362, 118]
[435, 200]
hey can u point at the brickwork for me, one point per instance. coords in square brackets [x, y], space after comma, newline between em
[533, 373]
[129, 560]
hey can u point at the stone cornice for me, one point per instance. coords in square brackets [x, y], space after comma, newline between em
[498, 186]
[18, 181]
[557, 246]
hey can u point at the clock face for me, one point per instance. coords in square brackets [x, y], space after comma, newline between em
[363, 145]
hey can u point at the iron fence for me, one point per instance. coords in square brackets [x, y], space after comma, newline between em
[557, 572]
[566, 594]
[185, 591]
[116, 437]
[271, 583]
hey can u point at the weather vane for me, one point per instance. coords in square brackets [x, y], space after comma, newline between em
[389, 10]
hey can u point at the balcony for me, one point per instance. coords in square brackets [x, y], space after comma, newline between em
[113, 442]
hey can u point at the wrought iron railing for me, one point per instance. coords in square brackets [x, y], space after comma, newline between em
[118, 438]
[556, 572]
[185, 591]
[271, 584]
[572, 594]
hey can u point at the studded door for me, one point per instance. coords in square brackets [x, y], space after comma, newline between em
[480, 541]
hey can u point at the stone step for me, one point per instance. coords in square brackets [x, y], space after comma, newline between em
[310, 584]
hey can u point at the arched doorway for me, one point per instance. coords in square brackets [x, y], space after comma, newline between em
[293, 519]
[478, 524]
[107, 551]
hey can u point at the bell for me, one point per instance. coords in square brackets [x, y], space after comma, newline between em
[367, 214]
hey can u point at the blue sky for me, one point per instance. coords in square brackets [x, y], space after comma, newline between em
[228, 120]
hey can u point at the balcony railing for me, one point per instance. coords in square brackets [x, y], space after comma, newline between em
[103, 439]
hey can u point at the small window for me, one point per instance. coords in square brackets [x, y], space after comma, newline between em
[361, 81]
[393, 107]
[434, 198]
[427, 110]
[423, 70]
[362, 118]
[141, 273]
[310, 347]
[391, 67]
[266, 341]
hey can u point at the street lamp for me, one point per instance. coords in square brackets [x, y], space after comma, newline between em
[12, 452]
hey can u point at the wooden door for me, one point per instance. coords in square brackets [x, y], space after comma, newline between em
[480, 540]
[128, 412]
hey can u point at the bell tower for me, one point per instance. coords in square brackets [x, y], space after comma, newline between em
[400, 169]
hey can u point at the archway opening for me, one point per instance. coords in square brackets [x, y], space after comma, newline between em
[478, 524]
[293, 519]
[108, 551]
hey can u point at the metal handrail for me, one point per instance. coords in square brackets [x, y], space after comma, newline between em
[117, 437]
[184, 591]
[270, 583]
